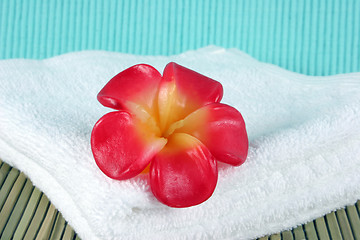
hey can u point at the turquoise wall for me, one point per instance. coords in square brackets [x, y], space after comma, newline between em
[319, 37]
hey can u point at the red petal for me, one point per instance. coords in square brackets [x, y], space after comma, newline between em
[221, 129]
[123, 147]
[193, 85]
[182, 91]
[138, 84]
[184, 173]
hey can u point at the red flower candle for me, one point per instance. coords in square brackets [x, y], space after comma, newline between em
[171, 126]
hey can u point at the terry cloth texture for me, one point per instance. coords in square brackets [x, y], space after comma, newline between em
[304, 155]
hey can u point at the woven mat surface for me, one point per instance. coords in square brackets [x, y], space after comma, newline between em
[318, 37]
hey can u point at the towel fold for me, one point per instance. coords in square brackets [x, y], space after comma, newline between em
[304, 155]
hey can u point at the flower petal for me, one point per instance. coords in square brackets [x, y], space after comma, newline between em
[122, 146]
[184, 173]
[138, 85]
[221, 129]
[182, 91]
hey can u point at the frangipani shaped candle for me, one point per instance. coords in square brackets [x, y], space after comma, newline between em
[172, 127]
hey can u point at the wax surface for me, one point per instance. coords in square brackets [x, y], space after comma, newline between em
[169, 125]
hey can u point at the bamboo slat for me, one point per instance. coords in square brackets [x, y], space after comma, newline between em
[321, 229]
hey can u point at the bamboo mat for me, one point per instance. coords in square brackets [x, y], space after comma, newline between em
[26, 213]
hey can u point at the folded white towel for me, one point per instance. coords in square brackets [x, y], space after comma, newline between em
[304, 156]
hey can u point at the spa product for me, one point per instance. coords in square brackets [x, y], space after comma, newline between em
[172, 126]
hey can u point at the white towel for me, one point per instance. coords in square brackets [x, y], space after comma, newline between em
[304, 156]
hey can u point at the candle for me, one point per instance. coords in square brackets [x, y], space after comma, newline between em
[172, 127]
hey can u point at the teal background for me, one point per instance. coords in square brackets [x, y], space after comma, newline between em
[319, 37]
